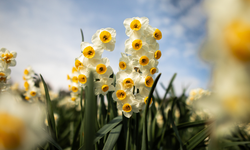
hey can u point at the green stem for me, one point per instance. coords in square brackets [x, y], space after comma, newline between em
[128, 134]
[136, 131]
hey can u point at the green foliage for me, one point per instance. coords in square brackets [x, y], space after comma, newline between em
[97, 124]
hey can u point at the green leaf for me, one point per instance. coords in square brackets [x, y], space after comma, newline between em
[82, 35]
[53, 142]
[50, 116]
[170, 115]
[169, 86]
[145, 114]
[198, 138]
[228, 144]
[189, 125]
[107, 127]
[113, 137]
[76, 133]
[90, 115]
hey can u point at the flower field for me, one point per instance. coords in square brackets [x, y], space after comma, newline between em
[124, 110]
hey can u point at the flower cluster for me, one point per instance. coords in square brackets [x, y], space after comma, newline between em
[91, 60]
[137, 65]
[7, 60]
[32, 92]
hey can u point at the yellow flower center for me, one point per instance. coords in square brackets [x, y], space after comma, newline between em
[78, 63]
[26, 84]
[24, 78]
[135, 25]
[146, 100]
[73, 98]
[74, 69]
[75, 79]
[157, 54]
[126, 107]
[105, 88]
[2, 74]
[105, 36]
[12, 131]
[137, 44]
[27, 98]
[157, 34]
[6, 57]
[82, 78]
[26, 72]
[68, 77]
[74, 89]
[128, 83]
[149, 81]
[120, 94]
[69, 86]
[3, 79]
[144, 60]
[237, 37]
[32, 93]
[153, 70]
[122, 65]
[101, 69]
[89, 52]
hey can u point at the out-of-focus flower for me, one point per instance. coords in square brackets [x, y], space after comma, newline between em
[19, 128]
[228, 31]
[56, 117]
[8, 57]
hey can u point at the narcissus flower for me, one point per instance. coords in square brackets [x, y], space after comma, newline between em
[19, 128]
[104, 85]
[153, 34]
[144, 83]
[102, 68]
[150, 69]
[135, 25]
[8, 57]
[105, 38]
[28, 73]
[90, 51]
[136, 46]
[128, 108]
[125, 63]
[127, 80]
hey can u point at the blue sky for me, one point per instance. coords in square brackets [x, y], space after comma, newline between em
[46, 35]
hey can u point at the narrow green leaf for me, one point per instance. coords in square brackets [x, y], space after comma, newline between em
[76, 133]
[50, 116]
[90, 115]
[113, 137]
[169, 86]
[228, 144]
[170, 116]
[145, 114]
[82, 35]
[53, 142]
[128, 135]
[107, 127]
[189, 125]
[198, 138]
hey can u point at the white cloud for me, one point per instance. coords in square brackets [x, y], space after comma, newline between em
[170, 52]
[193, 17]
